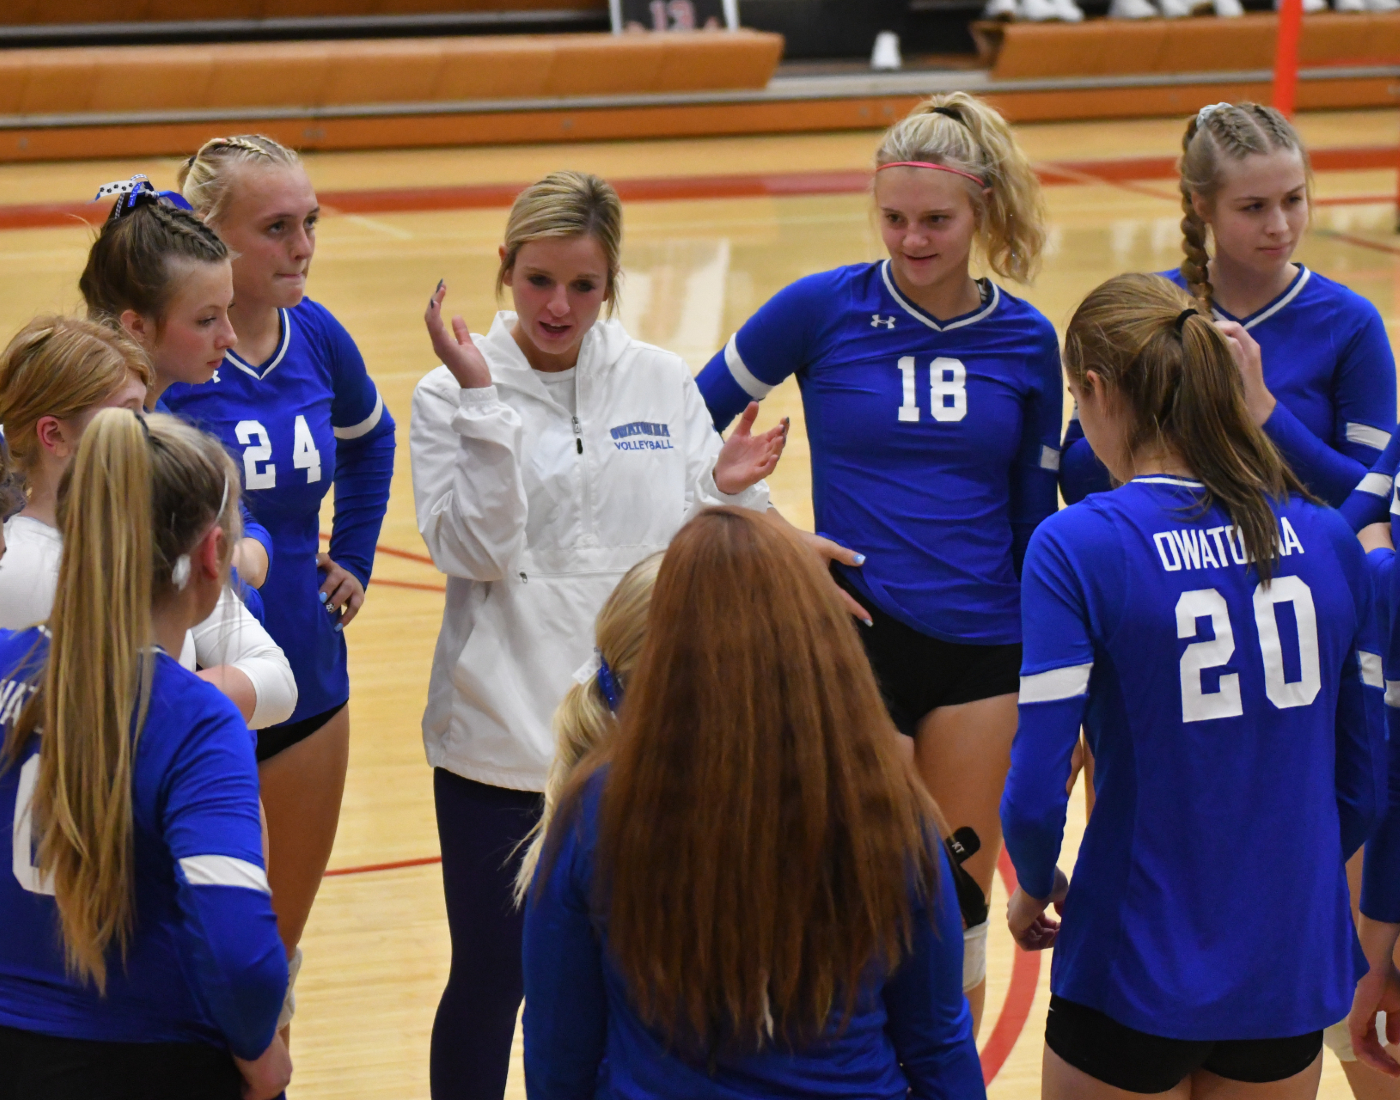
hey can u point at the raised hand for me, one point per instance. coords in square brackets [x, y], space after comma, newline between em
[1250, 360]
[456, 349]
[746, 458]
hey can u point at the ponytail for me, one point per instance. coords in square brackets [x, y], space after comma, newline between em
[1146, 339]
[1214, 134]
[967, 134]
[136, 497]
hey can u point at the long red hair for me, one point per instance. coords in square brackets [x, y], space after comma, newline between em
[759, 837]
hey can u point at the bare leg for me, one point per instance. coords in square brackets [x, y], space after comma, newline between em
[963, 753]
[301, 792]
[1366, 1083]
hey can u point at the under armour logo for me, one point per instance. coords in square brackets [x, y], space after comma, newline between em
[876, 321]
[216, 376]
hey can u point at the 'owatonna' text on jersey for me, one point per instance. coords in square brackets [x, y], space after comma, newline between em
[308, 416]
[934, 443]
[1239, 754]
[1328, 363]
[205, 963]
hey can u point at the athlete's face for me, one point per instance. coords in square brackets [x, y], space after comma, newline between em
[59, 437]
[928, 222]
[1103, 417]
[270, 226]
[1260, 211]
[558, 286]
[191, 343]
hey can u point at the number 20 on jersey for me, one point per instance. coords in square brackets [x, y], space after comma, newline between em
[947, 389]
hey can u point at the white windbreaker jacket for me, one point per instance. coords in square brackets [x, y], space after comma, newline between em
[534, 516]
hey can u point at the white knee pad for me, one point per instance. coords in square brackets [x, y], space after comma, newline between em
[289, 1002]
[975, 955]
[1338, 1040]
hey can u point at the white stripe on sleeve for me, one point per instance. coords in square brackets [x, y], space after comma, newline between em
[1371, 674]
[1392, 693]
[365, 425]
[1049, 458]
[224, 871]
[1378, 485]
[1057, 684]
[745, 377]
[1367, 435]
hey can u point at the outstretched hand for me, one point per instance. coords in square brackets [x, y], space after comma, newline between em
[1250, 361]
[747, 459]
[1025, 916]
[456, 349]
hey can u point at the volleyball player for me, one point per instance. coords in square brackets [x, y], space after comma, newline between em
[1326, 396]
[1205, 624]
[933, 404]
[745, 896]
[140, 957]
[55, 376]
[549, 456]
[297, 406]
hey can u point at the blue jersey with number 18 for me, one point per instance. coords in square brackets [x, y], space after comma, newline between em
[308, 417]
[935, 444]
[1239, 753]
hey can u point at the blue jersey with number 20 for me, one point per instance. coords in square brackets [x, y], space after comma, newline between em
[935, 444]
[1239, 758]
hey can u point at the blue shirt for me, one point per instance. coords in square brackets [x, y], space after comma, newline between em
[1238, 760]
[1380, 882]
[910, 1035]
[1327, 361]
[308, 416]
[205, 963]
[934, 444]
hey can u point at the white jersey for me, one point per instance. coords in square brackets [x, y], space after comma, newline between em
[230, 636]
[534, 514]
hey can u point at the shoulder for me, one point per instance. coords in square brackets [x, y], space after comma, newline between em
[25, 533]
[187, 710]
[315, 316]
[814, 294]
[1079, 528]
[1018, 313]
[1329, 524]
[316, 323]
[619, 348]
[1345, 303]
[22, 652]
[1172, 275]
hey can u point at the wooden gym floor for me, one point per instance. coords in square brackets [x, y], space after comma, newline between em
[696, 267]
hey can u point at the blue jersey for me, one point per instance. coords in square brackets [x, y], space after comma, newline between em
[205, 963]
[1380, 884]
[910, 1035]
[934, 444]
[1239, 756]
[307, 417]
[1327, 361]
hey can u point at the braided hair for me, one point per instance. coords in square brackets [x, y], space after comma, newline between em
[1236, 131]
[134, 262]
[206, 178]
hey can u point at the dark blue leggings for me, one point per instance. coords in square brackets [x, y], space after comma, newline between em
[479, 828]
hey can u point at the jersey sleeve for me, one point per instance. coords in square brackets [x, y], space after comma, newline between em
[1361, 768]
[930, 1024]
[1372, 499]
[1057, 660]
[364, 454]
[566, 1007]
[227, 929]
[232, 636]
[1081, 472]
[254, 530]
[702, 445]
[1034, 476]
[1365, 390]
[779, 340]
[1380, 881]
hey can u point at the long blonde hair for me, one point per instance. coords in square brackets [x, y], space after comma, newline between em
[1230, 131]
[135, 498]
[584, 721]
[206, 179]
[60, 366]
[566, 204]
[1182, 387]
[963, 132]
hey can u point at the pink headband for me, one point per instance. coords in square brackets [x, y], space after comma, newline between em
[978, 180]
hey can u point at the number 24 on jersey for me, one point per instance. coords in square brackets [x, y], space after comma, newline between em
[259, 472]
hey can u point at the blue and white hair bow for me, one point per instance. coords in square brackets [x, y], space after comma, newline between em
[135, 186]
[1205, 112]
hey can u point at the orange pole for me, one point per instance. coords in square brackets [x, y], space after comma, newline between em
[1290, 27]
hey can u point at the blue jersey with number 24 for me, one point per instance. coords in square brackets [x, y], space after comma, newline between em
[935, 444]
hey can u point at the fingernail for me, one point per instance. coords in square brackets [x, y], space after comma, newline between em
[860, 559]
[868, 622]
[324, 596]
[330, 609]
[439, 286]
[339, 627]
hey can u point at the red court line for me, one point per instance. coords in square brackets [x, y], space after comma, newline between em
[1360, 242]
[1020, 994]
[382, 582]
[392, 551]
[421, 861]
[498, 195]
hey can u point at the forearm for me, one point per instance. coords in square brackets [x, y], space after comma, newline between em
[1327, 472]
[363, 473]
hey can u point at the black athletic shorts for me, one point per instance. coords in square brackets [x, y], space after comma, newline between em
[917, 673]
[42, 1067]
[1138, 1062]
[277, 739]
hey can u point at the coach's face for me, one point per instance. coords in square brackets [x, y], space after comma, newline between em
[928, 222]
[558, 286]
